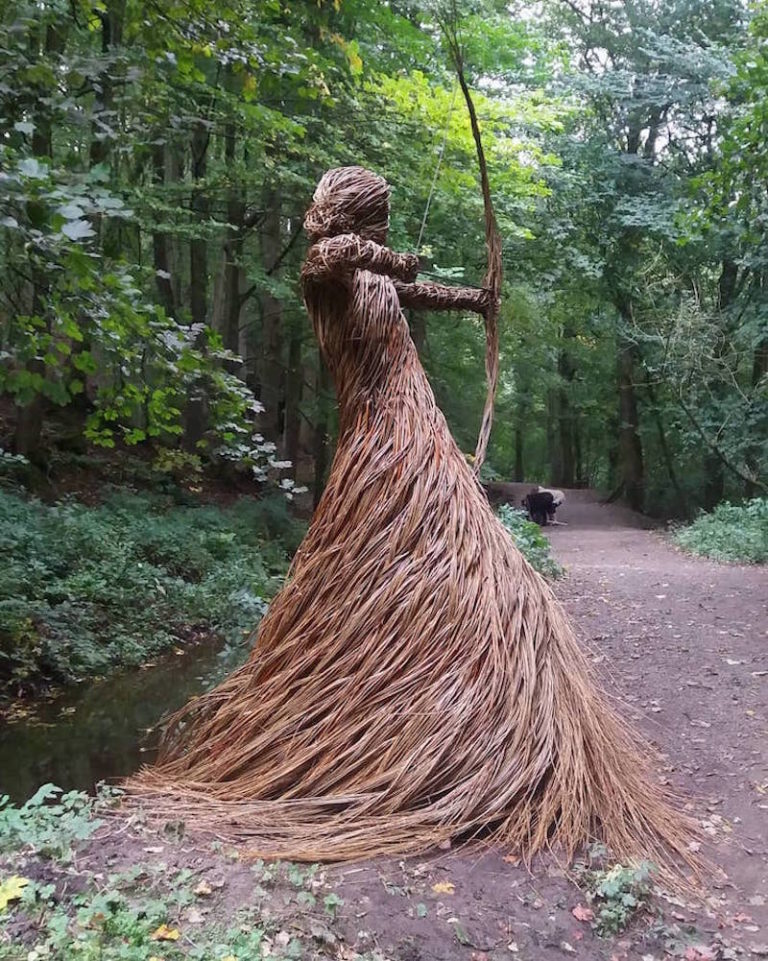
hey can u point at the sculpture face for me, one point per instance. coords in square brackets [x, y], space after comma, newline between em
[349, 200]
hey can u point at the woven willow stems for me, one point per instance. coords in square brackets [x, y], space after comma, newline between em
[415, 680]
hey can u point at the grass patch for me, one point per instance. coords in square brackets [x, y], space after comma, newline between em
[731, 532]
[57, 904]
[530, 541]
[85, 589]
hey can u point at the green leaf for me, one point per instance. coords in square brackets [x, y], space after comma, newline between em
[78, 229]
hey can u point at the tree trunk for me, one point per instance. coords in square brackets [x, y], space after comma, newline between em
[580, 482]
[160, 241]
[714, 481]
[272, 375]
[228, 302]
[567, 371]
[630, 445]
[104, 113]
[759, 372]
[666, 453]
[195, 416]
[294, 382]
[111, 36]
[714, 470]
[519, 451]
[198, 246]
[553, 436]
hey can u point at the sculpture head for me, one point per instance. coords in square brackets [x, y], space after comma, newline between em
[349, 200]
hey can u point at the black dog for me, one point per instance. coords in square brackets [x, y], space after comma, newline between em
[541, 506]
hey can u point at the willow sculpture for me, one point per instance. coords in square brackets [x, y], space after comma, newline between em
[415, 681]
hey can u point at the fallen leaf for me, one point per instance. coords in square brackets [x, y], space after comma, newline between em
[564, 946]
[582, 913]
[227, 957]
[739, 918]
[444, 887]
[761, 950]
[699, 952]
[194, 916]
[512, 946]
[11, 890]
[203, 889]
[164, 933]
[512, 859]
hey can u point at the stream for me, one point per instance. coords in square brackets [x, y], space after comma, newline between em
[105, 728]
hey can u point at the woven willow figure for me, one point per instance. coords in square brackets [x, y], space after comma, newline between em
[415, 680]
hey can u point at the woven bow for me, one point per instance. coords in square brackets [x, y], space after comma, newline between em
[494, 272]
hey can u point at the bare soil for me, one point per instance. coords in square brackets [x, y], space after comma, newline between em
[683, 642]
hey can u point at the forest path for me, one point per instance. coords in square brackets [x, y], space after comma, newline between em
[683, 641]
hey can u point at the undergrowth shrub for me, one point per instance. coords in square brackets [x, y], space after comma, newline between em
[731, 532]
[86, 589]
[48, 824]
[530, 541]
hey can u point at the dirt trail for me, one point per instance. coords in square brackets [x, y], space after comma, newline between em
[685, 640]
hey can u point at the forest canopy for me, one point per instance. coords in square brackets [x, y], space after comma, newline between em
[156, 161]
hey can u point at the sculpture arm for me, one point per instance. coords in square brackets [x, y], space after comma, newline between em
[337, 255]
[431, 296]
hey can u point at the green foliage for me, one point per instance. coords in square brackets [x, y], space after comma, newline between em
[731, 532]
[620, 893]
[46, 827]
[530, 541]
[157, 161]
[86, 589]
[149, 909]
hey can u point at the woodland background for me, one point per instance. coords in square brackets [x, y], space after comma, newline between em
[157, 159]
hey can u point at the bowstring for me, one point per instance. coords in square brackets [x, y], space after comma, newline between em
[436, 173]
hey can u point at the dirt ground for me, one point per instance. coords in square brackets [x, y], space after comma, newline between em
[684, 643]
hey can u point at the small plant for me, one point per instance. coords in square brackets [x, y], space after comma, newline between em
[533, 545]
[618, 893]
[332, 902]
[732, 532]
[45, 827]
[179, 464]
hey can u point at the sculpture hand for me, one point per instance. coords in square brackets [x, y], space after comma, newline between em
[410, 268]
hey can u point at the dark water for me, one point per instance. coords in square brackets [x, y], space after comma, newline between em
[102, 729]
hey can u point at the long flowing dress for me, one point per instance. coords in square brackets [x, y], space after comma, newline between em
[415, 680]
